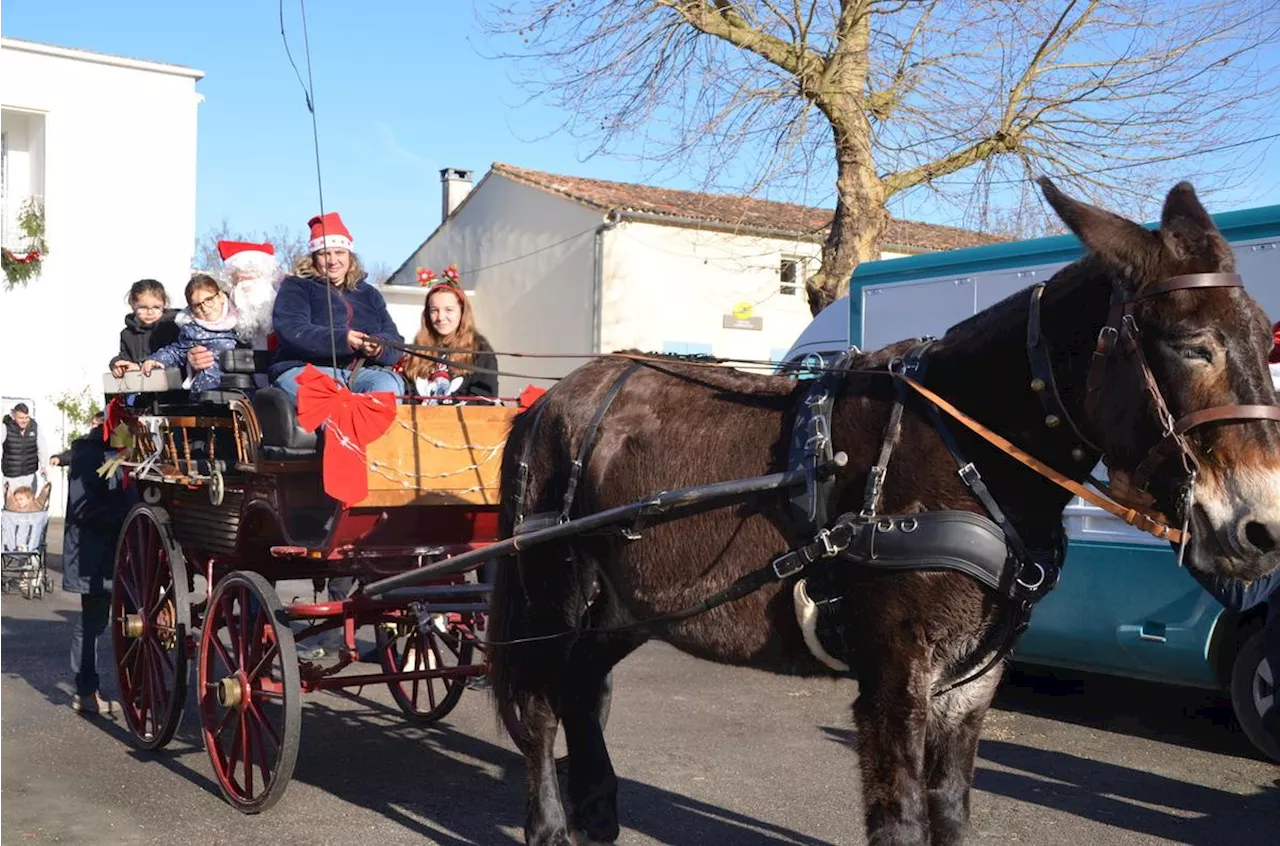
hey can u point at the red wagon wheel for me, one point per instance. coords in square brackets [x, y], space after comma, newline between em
[250, 695]
[150, 618]
[406, 647]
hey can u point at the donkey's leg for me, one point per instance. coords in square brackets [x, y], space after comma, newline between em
[592, 784]
[955, 722]
[891, 715]
[544, 823]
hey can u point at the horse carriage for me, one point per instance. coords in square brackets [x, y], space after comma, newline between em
[895, 520]
[232, 501]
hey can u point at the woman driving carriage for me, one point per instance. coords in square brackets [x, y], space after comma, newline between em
[328, 313]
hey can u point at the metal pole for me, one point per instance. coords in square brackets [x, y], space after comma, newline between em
[657, 505]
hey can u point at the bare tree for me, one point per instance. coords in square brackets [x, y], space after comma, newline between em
[289, 245]
[905, 100]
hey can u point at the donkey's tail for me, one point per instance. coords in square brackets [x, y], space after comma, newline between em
[508, 603]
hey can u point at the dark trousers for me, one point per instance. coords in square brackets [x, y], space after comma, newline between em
[95, 608]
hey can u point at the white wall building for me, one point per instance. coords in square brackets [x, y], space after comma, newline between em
[108, 145]
[561, 264]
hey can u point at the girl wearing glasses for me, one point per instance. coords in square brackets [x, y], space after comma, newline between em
[209, 320]
[147, 327]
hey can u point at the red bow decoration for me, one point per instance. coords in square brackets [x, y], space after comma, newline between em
[114, 415]
[1275, 350]
[530, 395]
[351, 422]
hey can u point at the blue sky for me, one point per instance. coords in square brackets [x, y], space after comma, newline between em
[402, 90]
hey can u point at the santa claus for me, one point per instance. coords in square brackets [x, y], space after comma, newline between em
[253, 275]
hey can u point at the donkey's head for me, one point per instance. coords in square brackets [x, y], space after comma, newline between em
[1185, 392]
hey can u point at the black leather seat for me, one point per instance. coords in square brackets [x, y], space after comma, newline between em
[282, 437]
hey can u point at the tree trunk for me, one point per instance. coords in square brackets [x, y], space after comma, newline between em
[860, 218]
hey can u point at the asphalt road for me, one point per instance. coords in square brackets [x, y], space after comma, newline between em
[707, 755]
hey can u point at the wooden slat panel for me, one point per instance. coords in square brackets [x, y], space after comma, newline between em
[438, 454]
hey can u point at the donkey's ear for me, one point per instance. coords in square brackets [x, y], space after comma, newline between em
[1119, 242]
[1188, 232]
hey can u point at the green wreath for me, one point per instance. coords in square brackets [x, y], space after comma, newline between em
[22, 265]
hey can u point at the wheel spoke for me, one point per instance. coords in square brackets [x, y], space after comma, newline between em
[425, 641]
[233, 749]
[128, 581]
[244, 633]
[245, 730]
[264, 722]
[224, 722]
[265, 662]
[155, 609]
[220, 650]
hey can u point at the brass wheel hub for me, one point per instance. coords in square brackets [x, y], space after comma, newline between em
[132, 626]
[230, 692]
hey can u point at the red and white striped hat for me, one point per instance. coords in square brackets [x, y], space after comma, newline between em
[328, 231]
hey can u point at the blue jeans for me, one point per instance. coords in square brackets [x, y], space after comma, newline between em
[368, 379]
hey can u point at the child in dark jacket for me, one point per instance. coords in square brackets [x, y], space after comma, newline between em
[147, 327]
[209, 320]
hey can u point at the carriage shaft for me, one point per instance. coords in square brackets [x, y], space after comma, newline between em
[704, 496]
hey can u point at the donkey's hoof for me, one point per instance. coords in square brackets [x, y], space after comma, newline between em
[581, 838]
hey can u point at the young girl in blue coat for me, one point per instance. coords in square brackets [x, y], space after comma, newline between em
[209, 320]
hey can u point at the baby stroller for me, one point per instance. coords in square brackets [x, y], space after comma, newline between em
[22, 549]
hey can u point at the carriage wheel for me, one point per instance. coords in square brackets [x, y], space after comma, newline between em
[403, 648]
[150, 617]
[250, 695]
[515, 728]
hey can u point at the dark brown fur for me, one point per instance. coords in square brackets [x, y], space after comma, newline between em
[676, 426]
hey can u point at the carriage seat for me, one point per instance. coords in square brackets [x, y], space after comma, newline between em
[282, 438]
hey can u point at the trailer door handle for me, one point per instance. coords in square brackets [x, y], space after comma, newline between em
[1152, 631]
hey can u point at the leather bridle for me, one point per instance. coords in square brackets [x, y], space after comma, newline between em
[1121, 332]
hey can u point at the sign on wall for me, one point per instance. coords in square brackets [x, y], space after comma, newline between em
[743, 317]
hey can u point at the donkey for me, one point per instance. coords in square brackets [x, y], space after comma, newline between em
[1195, 361]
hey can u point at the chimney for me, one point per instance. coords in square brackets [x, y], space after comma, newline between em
[455, 185]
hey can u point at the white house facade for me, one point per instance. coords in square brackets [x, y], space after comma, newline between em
[561, 264]
[107, 145]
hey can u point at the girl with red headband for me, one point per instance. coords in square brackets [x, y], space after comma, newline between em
[447, 322]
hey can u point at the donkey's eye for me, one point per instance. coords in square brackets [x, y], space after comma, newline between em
[1194, 352]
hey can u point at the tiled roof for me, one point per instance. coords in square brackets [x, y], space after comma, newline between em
[738, 212]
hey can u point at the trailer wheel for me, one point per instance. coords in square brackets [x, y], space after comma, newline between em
[1254, 693]
[404, 647]
[250, 694]
[515, 728]
[150, 619]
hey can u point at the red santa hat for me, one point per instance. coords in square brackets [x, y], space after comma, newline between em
[241, 253]
[328, 231]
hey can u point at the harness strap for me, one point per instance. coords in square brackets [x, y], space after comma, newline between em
[880, 470]
[1043, 383]
[589, 438]
[522, 469]
[1146, 520]
[811, 448]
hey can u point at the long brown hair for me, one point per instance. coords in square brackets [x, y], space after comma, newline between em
[306, 266]
[463, 338]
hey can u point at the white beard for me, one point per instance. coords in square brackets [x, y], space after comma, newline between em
[254, 298]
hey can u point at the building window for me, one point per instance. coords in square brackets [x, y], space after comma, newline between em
[789, 276]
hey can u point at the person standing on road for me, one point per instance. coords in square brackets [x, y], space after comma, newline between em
[96, 508]
[22, 448]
